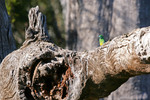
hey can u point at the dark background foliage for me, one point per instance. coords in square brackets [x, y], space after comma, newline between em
[18, 10]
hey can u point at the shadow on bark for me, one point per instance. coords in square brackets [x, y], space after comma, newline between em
[41, 70]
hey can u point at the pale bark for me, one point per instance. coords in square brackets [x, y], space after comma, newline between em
[110, 18]
[128, 15]
[42, 70]
[7, 43]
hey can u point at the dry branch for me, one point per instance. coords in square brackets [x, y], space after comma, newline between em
[41, 70]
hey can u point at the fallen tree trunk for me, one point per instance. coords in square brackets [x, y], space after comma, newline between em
[42, 70]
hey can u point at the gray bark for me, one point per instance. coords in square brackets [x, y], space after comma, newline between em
[7, 43]
[127, 16]
[41, 70]
[110, 18]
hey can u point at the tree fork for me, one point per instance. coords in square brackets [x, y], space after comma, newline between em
[42, 70]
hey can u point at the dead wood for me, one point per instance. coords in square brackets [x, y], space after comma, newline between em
[41, 70]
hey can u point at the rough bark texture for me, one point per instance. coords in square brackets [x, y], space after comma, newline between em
[7, 43]
[42, 70]
[127, 16]
[110, 18]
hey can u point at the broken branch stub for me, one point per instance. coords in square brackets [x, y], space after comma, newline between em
[41, 70]
[37, 29]
[48, 77]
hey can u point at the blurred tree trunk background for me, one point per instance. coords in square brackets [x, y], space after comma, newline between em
[86, 19]
[7, 43]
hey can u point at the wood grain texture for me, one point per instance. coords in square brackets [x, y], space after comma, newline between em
[41, 70]
[110, 18]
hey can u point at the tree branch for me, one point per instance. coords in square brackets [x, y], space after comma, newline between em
[37, 26]
[112, 64]
[42, 70]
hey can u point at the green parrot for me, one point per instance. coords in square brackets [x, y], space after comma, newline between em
[101, 40]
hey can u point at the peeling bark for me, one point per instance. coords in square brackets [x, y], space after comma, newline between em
[41, 70]
[110, 18]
